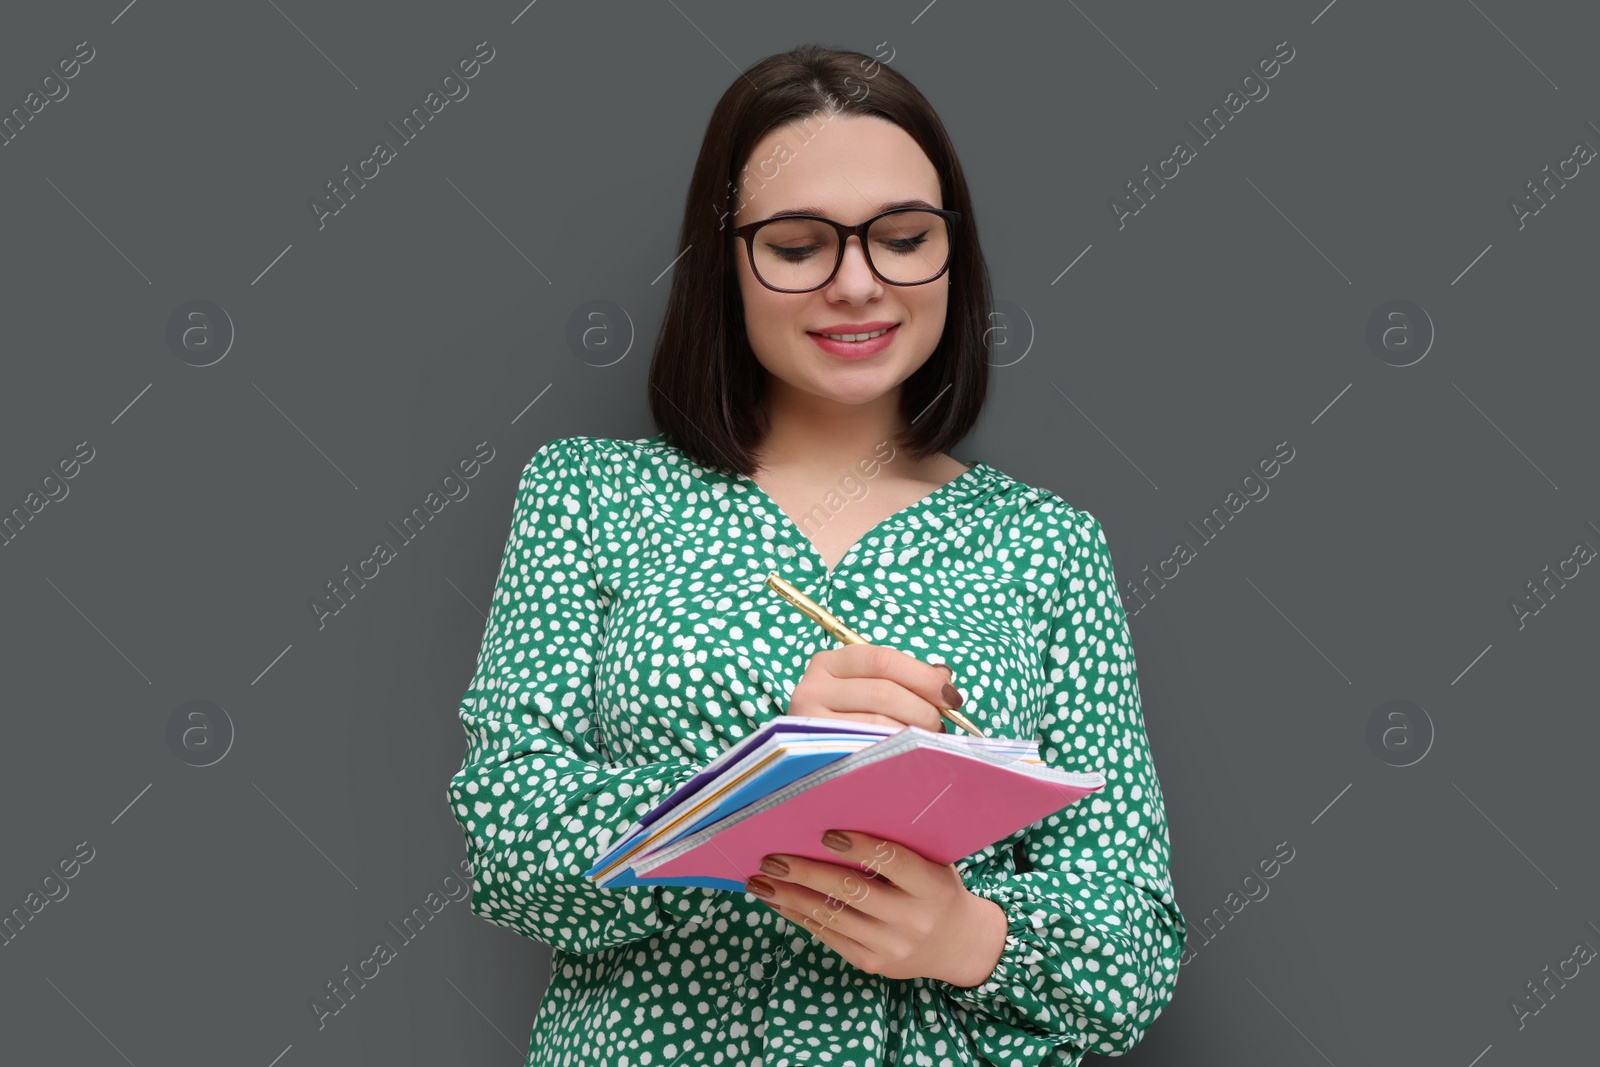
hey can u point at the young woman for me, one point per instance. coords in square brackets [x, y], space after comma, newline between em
[823, 343]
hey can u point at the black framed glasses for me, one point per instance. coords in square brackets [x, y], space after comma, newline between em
[802, 253]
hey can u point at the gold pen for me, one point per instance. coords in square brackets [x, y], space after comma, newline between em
[843, 633]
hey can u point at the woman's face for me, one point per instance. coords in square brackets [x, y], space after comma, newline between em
[845, 168]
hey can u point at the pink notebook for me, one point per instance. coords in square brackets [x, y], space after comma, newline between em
[927, 791]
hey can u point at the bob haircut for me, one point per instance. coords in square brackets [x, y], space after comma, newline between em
[707, 388]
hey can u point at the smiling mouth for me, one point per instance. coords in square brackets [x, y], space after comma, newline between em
[854, 337]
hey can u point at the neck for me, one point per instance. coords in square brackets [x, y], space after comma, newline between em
[813, 438]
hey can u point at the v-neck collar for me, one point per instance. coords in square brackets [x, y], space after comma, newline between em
[750, 494]
[928, 502]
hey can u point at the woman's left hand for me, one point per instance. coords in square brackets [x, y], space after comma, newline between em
[925, 925]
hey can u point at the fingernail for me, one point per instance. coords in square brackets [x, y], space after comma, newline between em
[836, 841]
[761, 887]
[952, 697]
[951, 671]
[774, 865]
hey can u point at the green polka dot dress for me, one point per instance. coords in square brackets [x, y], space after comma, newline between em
[631, 640]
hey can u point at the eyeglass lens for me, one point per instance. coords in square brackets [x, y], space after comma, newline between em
[906, 247]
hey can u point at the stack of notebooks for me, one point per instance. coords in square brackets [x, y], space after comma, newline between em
[944, 796]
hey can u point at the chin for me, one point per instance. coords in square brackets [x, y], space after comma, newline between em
[845, 387]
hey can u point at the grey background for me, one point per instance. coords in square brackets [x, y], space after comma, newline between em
[432, 313]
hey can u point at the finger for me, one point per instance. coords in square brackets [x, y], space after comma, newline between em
[924, 685]
[881, 696]
[908, 870]
[854, 716]
[829, 921]
[927, 680]
[843, 882]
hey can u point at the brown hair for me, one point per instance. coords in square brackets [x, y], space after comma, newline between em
[706, 385]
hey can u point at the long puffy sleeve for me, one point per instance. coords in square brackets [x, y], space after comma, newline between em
[535, 796]
[1094, 932]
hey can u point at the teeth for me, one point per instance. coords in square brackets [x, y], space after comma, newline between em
[856, 336]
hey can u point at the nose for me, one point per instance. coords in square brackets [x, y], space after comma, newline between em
[854, 276]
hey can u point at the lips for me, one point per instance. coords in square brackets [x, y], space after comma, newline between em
[854, 328]
[853, 337]
[856, 349]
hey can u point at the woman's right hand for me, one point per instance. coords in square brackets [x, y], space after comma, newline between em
[877, 684]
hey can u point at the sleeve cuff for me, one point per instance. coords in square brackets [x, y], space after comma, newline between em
[993, 1013]
[1024, 936]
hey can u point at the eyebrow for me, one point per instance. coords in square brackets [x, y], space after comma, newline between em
[890, 206]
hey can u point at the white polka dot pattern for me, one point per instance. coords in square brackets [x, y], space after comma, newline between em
[631, 640]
